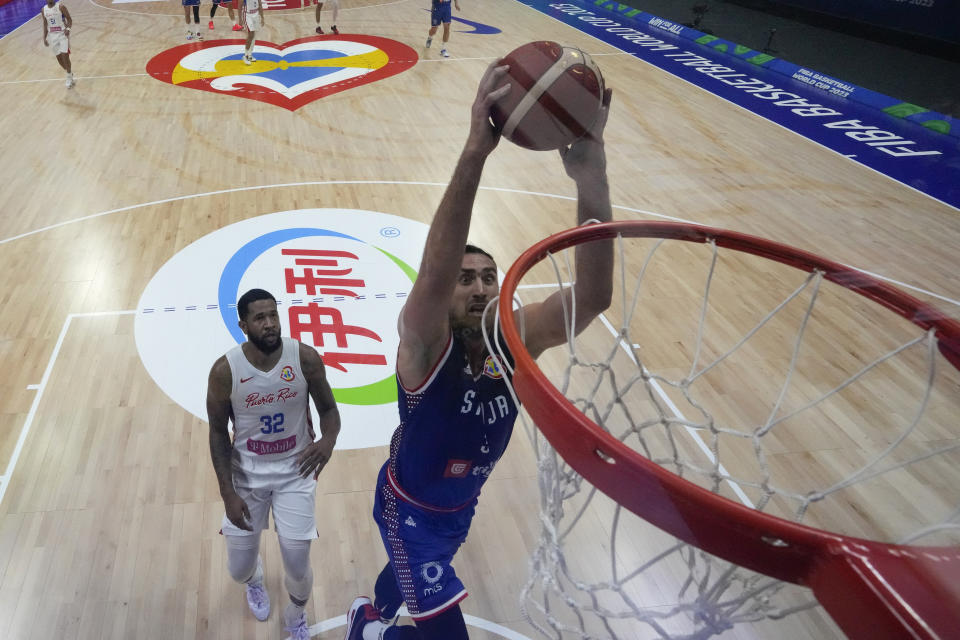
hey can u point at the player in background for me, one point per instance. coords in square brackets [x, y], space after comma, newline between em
[230, 12]
[193, 32]
[56, 35]
[272, 463]
[335, 9]
[252, 17]
[440, 14]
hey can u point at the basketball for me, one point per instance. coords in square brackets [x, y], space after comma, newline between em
[555, 96]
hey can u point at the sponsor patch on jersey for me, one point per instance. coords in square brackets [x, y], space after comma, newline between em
[493, 368]
[287, 374]
[263, 448]
[457, 469]
[288, 75]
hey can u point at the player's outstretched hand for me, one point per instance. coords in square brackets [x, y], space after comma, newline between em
[315, 457]
[586, 159]
[237, 511]
[484, 136]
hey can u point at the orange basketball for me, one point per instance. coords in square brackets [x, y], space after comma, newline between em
[555, 95]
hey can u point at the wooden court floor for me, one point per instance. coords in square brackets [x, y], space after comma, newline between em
[108, 506]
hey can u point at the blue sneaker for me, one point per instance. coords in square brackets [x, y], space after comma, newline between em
[361, 614]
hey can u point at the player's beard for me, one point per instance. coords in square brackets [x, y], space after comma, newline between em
[470, 328]
[264, 344]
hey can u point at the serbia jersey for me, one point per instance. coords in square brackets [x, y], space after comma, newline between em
[453, 430]
[271, 416]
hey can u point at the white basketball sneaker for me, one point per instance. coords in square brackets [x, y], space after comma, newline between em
[257, 596]
[444, 53]
[429, 41]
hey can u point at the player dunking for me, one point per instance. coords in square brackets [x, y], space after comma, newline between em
[252, 17]
[56, 35]
[264, 386]
[440, 14]
[456, 413]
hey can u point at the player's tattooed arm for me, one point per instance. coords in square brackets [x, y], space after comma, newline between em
[219, 386]
[315, 457]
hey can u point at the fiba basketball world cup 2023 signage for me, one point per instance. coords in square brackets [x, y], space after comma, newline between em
[340, 278]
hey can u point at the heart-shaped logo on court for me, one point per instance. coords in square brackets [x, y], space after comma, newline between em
[289, 75]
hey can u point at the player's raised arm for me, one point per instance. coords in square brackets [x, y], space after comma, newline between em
[315, 457]
[424, 322]
[585, 161]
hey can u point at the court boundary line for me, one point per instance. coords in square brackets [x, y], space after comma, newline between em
[301, 9]
[662, 216]
[40, 388]
[119, 75]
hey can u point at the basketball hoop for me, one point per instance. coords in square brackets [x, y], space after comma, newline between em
[870, 588]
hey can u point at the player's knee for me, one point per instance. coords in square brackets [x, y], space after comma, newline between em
[296, 558]
[242, 553]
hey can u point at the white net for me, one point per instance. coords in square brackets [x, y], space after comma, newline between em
[762, 383]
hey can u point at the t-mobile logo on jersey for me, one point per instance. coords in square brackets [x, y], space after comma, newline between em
[457, 469]
[491, 410]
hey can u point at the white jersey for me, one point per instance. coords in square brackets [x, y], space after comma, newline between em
[271, 414]
[53, 16]
[253, 6]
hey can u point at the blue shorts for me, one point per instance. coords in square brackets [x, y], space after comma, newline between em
[190, 3]
[421, 545]
[440, 13]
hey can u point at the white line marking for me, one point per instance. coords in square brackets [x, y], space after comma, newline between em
[33, 387]
[473, 621]
[147, 14]
[122, 75]
[28, 423]
[676, 411]
[412, 183]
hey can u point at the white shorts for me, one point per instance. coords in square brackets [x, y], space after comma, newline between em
[276, 485]
[253, 21]
[59, 43]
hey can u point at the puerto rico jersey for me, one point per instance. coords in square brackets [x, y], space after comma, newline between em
[453, 430]
[54, 19]
[271, 415]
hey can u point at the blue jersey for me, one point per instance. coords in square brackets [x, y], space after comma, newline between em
[453, 430]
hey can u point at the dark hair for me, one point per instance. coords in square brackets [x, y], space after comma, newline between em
[253, 295]
[470, 248]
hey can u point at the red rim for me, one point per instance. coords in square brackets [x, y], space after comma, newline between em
[916, 597]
